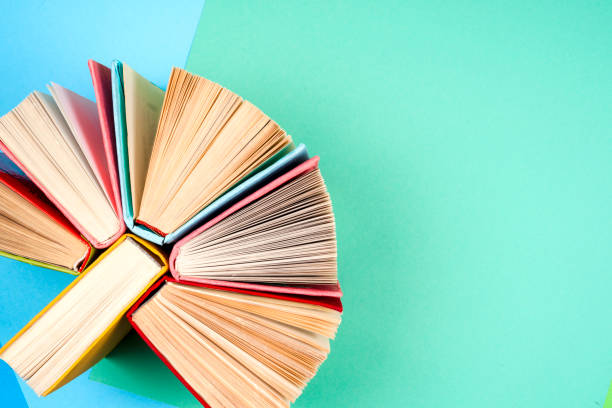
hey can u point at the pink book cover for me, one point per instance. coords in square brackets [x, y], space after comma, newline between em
[315, 290]
[101, 79]
[42, 188]
[328, 302]
[73, 221]
[82, 115]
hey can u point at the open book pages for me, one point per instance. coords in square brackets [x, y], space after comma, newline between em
[286, 237]
[81, 116]
[27, 231]
[235, 349]
[207, 140]
[54, 342]
[40, 138]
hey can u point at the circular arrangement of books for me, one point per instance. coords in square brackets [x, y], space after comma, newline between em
[229, 269]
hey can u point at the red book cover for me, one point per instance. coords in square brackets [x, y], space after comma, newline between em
[34, 196]
[314, 290]
[325, 301]
[101, 79]
[83, 114]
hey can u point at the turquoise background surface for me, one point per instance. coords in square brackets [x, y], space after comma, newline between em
[467, 149]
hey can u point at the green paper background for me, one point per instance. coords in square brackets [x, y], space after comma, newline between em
[467, 147]
[134, 367]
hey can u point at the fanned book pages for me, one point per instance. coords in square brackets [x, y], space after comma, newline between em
[278, 242]
[235, 348]
[57, 142]
[137, 109]
[32, 230]
[86, 320]
[282, 235]
[207, 139]
[247, 318]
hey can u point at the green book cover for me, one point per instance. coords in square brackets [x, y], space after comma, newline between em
[38, 263]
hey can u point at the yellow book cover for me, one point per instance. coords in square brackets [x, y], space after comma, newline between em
[119, 327]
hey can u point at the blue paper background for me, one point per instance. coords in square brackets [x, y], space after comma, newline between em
[11, 393]
[44, 41]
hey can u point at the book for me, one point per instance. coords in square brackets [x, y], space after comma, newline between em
[280, 238]
[87, 319]
[142, 111]
[57, 141]
[308, 212]
[199, 164]
[144, 99]
[102, 85]
[232, 347]
[32, 230]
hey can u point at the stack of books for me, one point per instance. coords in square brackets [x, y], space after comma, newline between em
[229, 269]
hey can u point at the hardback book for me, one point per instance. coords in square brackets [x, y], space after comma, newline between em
[187, 153]
[254, 299]
[32, 230]
[279, 240]
[102, 86]
[236, 348]
[87, 319]
[62, 145]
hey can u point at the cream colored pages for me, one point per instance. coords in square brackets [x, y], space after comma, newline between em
[76, 145]
[44, 352]
[285, 237]
[37, 134]
[143, 104]
[207, 140]
[81, 116]
[238, 350]
[27, 231]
